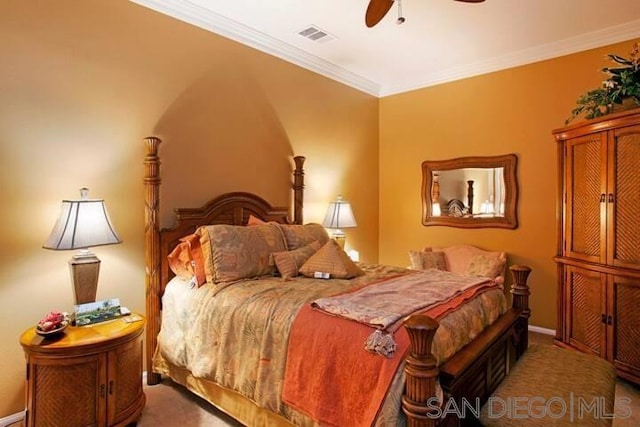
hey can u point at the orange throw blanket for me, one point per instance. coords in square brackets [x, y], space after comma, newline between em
[331, 378]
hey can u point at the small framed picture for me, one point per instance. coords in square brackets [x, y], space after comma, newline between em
[95, 312]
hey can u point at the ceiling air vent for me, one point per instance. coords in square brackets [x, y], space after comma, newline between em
[316, 34]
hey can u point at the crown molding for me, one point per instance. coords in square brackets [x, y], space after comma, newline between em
[554, 49]
[201, 17]
[216, 23]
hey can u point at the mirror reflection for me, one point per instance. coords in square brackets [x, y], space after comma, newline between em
[470, 192]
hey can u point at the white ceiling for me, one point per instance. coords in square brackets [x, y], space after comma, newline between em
[441, 40]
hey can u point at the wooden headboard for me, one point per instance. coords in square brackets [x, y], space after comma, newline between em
[230, 208]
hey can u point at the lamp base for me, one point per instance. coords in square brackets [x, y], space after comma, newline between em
[341, 240]
[339, 236]
[85, 269]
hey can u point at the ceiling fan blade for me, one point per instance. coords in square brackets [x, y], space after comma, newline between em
[376, 10]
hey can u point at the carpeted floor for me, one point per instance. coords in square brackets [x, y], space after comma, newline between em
[170, 405]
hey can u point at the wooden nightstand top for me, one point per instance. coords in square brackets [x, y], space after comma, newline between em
[83, 338]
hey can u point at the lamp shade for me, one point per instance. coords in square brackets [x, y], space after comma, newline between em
[82, 223]
[339, 215]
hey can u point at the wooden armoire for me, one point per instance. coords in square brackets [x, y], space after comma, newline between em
[599, 239]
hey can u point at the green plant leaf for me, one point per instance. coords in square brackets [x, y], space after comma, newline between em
[622, 81]
[620, 60]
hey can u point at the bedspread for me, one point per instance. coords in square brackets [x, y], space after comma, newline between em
[320, 379]
[236, 335]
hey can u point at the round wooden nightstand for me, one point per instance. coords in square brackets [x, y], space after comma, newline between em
[88, 375]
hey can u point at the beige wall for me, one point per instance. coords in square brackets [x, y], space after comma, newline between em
[511, 111]
[82, 82]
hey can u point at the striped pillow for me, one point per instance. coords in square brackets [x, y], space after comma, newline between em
[289, 262]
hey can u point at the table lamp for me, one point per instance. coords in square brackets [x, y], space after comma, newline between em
[82, 224]
[339, 215]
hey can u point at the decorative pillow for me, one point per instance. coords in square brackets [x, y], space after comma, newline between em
[254, 220]
[289, 262]
[458, 257]
[426, 258]
[333, 260]
[185, 260]
[233, 252]
[297, 236]
[417, 263]
[433, 260]
[485, 266]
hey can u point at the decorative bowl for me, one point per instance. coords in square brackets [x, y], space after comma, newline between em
[63, 325]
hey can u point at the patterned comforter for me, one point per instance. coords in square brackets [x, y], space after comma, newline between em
[236, 334]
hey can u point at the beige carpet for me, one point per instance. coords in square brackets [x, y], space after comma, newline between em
[172, 405]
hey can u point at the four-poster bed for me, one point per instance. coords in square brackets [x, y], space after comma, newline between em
[471, 373]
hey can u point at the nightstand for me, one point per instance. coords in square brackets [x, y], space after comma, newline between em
[87, 376]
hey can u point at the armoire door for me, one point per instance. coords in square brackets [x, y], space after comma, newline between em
[585, 294]
[586, 192]
[623, 335]
[623, 198]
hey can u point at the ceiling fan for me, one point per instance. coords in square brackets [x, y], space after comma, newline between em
[377, 10]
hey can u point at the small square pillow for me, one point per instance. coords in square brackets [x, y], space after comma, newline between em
[426, 259]
[333, 260]
[485, 266]
[433, 260]
[289, 262]
[254, 220]
[297, 236]
[417, 263]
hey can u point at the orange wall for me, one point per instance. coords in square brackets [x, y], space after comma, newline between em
[82, 82]
[511, 111]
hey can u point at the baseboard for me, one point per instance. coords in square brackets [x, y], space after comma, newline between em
[12, 419]
[541, 330]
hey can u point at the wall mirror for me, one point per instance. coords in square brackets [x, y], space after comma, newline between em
[470, 192]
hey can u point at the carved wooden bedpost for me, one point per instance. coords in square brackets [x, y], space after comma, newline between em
[421, 372]
[298, 189]
[470, 195]
[152, 251]
[520, 292]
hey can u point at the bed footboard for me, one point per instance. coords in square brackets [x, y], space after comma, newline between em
[473, 373]
[421, 372]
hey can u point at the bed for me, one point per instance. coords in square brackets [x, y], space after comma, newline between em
[471, 373]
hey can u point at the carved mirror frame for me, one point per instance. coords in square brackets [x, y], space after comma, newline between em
[509, 164]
